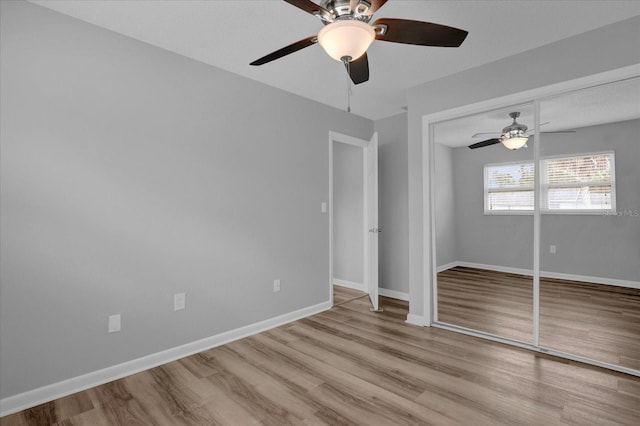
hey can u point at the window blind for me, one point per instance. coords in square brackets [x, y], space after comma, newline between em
[584, 182]
[509, 187]
[579, 183]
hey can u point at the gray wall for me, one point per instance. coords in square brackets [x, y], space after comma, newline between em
[393, 203]
[503, 240]
[598, 245]
[595, 245]
[129, 174]
[348, 213]
[564, 60]
[445, 208]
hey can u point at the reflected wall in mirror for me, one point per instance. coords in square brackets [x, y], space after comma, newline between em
[484, 224]
[590, 224]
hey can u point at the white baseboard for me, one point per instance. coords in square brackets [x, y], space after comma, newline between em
[497, 268]
[381, 291]
[416, 320]
[544, 274]
[447, 266]
[350, 284]
[53, 391]
[393, 294]
[587, 279]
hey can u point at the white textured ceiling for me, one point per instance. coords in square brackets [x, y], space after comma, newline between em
[231, 34]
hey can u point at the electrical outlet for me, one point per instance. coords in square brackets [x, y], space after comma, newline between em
[115, 323]
[179, 301]
[323, 207]
[552, 249]
[276, 286]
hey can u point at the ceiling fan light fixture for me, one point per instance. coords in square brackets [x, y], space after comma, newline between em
[347, 38]
[515, 142]
[514, 136]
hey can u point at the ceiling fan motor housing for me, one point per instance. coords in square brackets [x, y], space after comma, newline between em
[515, 129]
[341, 10]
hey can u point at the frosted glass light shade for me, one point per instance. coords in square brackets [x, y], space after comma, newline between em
[514, 143]
[346, 38]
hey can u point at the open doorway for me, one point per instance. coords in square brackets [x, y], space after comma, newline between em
[353, 200]
[348, 217]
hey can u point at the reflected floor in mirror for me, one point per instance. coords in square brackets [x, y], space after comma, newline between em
[350, 366]
[596, 321]
[492, 302]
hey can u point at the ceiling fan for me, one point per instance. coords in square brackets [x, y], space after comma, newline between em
[514, 136]
[347, 33]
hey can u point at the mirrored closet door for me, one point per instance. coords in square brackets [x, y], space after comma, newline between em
[590, 223]
[540, 245]
[483, 196]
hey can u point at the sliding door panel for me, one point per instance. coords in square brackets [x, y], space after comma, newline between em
[483, 199]
[590, 223]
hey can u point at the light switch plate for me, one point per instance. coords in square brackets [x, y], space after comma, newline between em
[179, 301]
[115, 323]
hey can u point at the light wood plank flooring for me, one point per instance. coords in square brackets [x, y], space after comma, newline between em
[342, 295]
[596, 321]
[349, 366]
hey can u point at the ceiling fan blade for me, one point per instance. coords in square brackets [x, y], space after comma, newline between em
[420, 33]
[486, 135]
[287, 50]
[359, 69]
[531, 131]
[309, 7]
[375, 5]
[485, 143]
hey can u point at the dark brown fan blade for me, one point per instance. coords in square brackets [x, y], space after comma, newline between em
[298, 45]
[359, 69]
[484, 143]
[309, 7]
[420, 33]
[375, 5]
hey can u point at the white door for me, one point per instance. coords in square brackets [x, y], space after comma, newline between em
[372, 229]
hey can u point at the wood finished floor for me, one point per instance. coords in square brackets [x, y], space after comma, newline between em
[349, 366]
[342, 295]
[596, 321]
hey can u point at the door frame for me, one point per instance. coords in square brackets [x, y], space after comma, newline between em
[335, 137]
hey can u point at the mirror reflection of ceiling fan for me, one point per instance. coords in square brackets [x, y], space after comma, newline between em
[347, 33]
[514, 136]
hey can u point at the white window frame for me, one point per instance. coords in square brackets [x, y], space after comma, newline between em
[487, 190]
[544, 186]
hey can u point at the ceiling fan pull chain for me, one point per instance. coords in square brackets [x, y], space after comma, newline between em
[349, 92]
